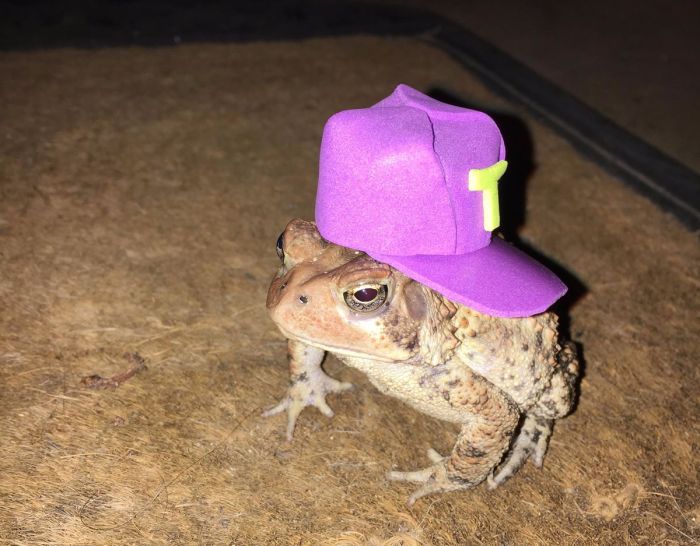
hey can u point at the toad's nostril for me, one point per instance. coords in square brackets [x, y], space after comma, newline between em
[303, 299]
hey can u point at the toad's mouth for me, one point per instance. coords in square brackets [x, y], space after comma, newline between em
[344, 351]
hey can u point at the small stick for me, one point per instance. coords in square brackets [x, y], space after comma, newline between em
[99, 382]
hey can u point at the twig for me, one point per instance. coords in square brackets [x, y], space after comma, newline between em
[99, 382]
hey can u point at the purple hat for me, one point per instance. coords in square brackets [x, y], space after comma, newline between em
[412, 182]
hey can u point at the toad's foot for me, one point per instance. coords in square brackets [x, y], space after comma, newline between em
[308, 389]
[435, 478]
[531, 442]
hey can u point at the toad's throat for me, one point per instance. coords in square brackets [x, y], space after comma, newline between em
[341, 351]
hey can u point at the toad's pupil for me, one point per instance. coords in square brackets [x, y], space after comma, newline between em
[366, 294]
[280, 246]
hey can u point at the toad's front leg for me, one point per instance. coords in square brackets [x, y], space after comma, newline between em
[489, 419]
[308, 386]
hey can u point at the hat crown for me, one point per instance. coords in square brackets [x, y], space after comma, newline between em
[393, 178]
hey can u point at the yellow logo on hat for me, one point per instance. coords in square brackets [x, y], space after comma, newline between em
[486, 181]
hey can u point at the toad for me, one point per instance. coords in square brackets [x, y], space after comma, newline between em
[503, 380]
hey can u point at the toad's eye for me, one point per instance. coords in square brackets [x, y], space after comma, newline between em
[280, 246]
[366, 298]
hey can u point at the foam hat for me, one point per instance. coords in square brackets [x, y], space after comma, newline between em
[412, 182]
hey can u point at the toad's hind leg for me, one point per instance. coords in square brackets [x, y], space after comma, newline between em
[489, 418]
[531, 442]
[533, 437]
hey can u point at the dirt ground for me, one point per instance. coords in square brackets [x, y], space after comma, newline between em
[141, 193]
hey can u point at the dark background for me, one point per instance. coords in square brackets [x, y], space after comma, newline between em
[635, 62]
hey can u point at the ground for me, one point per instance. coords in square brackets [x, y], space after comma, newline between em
[141, 194]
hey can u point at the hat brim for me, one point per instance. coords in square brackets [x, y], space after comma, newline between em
[497, 280]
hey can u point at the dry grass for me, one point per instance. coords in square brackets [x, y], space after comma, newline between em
[141, 194]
